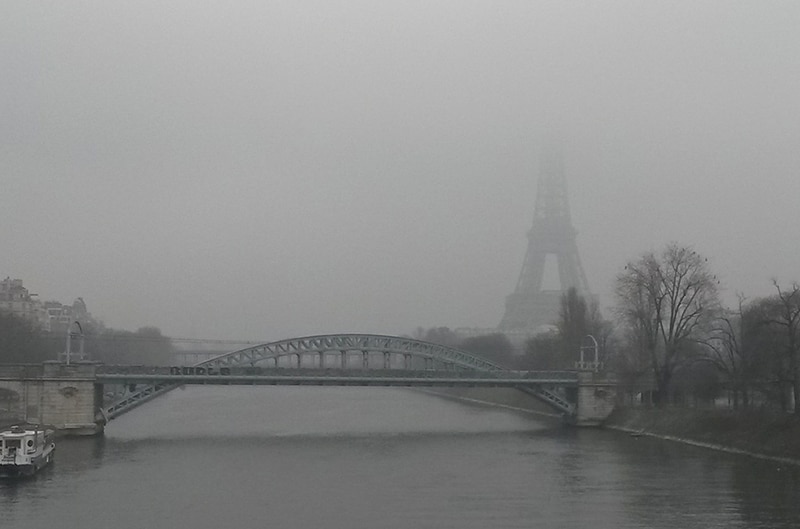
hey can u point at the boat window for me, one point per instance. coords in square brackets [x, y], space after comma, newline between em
[13, 443]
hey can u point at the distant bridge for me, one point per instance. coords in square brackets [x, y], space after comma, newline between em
[74, 397]
[340, 360]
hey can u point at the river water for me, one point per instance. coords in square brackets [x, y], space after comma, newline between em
[306, 457]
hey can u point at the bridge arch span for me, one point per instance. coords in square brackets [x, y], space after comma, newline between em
[353, 343]
[435, 356]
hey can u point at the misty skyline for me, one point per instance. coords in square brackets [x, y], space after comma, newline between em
[264, 170]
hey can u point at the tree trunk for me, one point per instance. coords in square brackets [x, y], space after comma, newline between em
[796, 391]
[662, 384]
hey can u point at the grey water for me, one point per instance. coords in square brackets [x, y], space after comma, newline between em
[299, 457]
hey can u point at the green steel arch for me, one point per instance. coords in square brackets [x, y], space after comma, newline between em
[343, 344]
[363, 343]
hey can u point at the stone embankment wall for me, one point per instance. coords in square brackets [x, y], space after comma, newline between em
[8, 419]
[756, 433]
[504, 397]
[759, 433]
[596, 401]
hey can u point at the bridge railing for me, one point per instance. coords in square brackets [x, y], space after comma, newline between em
[143, 371]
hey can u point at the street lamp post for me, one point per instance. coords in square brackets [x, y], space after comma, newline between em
[583, 364]
[70, 333]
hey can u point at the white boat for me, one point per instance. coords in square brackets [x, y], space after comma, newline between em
[25, 449]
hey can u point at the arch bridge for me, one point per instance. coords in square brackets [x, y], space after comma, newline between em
[343, 360]
[78, 394]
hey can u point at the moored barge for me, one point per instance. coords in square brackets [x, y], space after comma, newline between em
[24, 450]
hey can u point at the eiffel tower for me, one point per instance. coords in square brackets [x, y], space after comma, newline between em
[530, 307]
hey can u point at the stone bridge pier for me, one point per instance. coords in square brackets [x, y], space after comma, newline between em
[595, 398]
[64, 396]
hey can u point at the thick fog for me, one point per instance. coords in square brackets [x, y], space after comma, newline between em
[259, 170]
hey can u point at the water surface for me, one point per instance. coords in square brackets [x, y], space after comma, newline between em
[299, 457]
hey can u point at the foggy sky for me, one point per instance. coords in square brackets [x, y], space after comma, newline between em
[263, 170]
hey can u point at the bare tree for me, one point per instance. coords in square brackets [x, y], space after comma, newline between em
[545, 351]
[579, 317]
[787, 318]
[21, 341]
[666, 301]
[440, 335]
[495, 347]
[730, 354]
[573, 324]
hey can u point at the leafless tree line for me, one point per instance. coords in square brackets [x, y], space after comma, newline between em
[672, 327]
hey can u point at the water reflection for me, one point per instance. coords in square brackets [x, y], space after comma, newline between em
[768, 494]
[688, 484]
[79, 454]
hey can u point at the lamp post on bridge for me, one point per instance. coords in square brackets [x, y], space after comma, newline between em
[582, 363]
[70, 333]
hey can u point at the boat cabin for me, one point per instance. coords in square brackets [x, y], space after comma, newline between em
[25, 447]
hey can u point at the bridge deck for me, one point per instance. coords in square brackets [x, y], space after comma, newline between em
[153, 381]
[329, 377]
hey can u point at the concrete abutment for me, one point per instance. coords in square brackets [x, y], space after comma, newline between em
[64, 396]
[596, 397]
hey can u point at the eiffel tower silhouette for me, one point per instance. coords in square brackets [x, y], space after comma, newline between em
[530, 307]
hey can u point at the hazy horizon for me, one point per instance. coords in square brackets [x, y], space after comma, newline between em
[265, 170]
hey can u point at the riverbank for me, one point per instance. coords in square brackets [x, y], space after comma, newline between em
[760, 434]
[503, 397]
[766, 435]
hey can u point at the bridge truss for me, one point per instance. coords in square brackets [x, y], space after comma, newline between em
[340, 359]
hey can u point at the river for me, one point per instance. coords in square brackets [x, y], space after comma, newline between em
[303, 457]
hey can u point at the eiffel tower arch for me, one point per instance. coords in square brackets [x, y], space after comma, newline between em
[531, 307]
